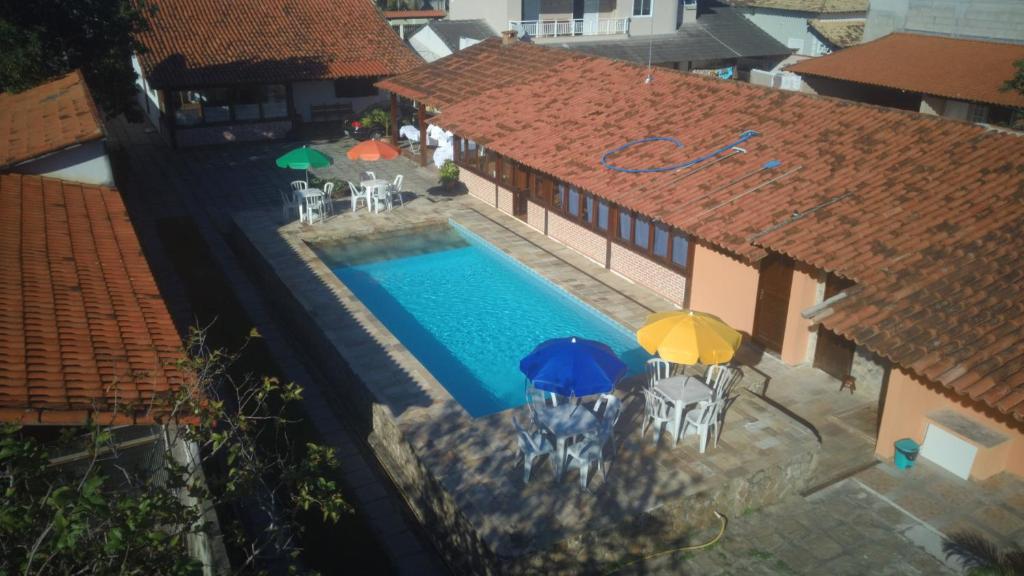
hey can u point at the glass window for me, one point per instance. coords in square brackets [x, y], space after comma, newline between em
[506, 171]
[275, 102]
[490, 166]
[538, 188]
[602, 215]
[642, 233]
[216, 105]
[660, 240]
[355, 87]
[522, 178]
[625, 225]
[588, 209]
[558, 197]
[642, 7]
[247, 102]
[574, 201]
[188, 108]
[680, 250]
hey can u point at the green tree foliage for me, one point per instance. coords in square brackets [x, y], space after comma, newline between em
[42, 39]
[980, 557]
[102, 512]
[1017, 82]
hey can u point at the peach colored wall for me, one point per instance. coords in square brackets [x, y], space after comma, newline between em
[723, 286]
[803, 294]
[908, 401]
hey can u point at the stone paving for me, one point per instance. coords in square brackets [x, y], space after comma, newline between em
[842, 530]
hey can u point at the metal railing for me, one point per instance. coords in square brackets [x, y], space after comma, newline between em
[574, 27]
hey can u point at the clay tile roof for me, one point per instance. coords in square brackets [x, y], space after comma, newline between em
[814, 6]
[839, 33]
[193, 43]
[924, 213]
[83, 328]
[969, 70]
[47, 118]
[471, 71]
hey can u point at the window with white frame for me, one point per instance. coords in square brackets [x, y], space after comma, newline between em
[977, 113]
[642, 7]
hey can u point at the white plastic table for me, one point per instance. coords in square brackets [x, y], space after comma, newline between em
[682, 391]
[374, 189]
[565, 422]
[307, 194]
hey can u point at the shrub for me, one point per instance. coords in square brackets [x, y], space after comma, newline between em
[449, 173]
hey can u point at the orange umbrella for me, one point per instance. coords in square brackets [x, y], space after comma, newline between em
[373, 150]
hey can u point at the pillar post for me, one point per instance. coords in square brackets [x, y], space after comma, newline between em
[394, 119]
[422, 117]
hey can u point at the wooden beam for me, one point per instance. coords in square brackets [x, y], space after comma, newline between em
[394, 119]
[421, 116]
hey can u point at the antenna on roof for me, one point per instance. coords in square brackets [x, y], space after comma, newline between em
[650, 49]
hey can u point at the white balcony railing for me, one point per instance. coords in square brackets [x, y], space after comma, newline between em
[576, 27]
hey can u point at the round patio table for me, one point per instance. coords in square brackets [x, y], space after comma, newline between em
[565, 422]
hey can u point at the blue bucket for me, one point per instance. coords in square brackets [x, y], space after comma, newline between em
[906, 453]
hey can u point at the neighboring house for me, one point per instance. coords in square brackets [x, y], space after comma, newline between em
[441, 38]
[86, 336]
[951, 77]
[790, 21]
[709, 36]
[406, 17]
[979, 19]
[55, 130]
[849, 236]
[213, 73]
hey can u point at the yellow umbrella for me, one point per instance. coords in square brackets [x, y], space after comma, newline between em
[686, 337]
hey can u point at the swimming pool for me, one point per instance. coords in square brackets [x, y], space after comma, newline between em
[467, 311]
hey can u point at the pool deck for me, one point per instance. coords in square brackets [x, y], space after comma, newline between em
[659, 493]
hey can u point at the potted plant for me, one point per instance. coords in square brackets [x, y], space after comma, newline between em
[449, 174]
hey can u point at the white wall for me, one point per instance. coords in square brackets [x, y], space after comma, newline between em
[497, 13]
[428, 45]
[993, 19]
[307, 94]
[148, 98]
[87, 163]
[663, 19]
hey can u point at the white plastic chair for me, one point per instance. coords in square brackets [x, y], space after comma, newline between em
[657, 410]
[380, 197]
[314, 207]
[357, 194]
[531, 446]
[396, 189]
[299, 185]
[364, 176]
[702, 420]
[612, 410]
[329, 198]
[288, 205]
[582, 454]
[721, 378]
[657, 369]
[540, 398]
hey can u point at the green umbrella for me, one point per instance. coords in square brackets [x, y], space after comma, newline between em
[303, 159]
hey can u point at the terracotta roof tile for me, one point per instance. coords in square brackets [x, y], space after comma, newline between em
[399, 14]
[471, 71]
[194, 43]
[956, 68]
[924, 213]
[840, 33]
[47, 118]
[84, 329]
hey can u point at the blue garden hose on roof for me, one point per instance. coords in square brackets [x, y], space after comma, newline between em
[604, 157]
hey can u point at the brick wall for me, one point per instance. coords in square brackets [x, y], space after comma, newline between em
[505, 200]
[238, 133]
[478, 187]
[577, 237]
[661, 279]
[535, 215]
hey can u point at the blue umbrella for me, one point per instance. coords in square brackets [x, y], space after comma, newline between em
[573, 367]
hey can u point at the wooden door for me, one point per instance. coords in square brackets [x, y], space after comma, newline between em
[833, 354]
[773, 287]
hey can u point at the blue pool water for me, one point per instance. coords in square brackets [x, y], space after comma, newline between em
[468, 312]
